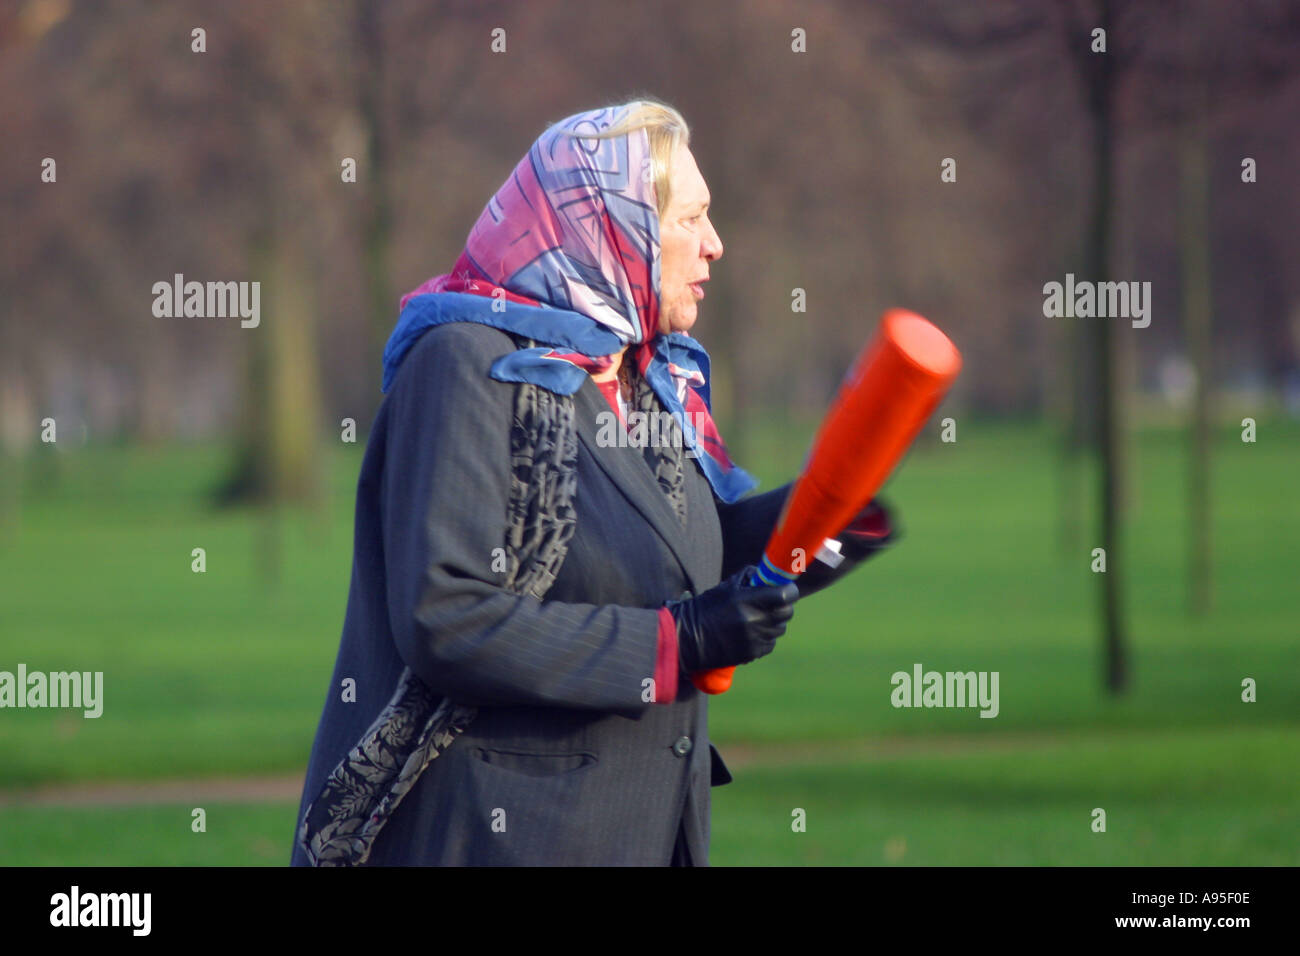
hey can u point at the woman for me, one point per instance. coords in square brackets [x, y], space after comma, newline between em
[528, 597]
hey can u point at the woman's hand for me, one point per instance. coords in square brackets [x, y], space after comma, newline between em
[731, 623]
[870, 530]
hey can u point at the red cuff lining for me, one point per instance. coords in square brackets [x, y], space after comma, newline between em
[873, 524]
[666, 664]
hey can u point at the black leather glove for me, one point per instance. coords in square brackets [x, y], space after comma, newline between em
[732, 623]
[871, 529]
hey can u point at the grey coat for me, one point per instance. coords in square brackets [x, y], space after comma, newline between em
[566, 763]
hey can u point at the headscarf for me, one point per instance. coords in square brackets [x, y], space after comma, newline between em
[567, 253]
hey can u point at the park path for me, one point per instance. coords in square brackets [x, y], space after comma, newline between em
[282, 788]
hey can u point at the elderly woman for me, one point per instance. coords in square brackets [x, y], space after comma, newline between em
[529, 598]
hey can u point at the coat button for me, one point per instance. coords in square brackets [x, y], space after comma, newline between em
[682, 747]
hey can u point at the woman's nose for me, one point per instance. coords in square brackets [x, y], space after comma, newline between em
[712, 244]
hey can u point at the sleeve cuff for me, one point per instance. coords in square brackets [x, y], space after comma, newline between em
[666, 659]
[872, 522]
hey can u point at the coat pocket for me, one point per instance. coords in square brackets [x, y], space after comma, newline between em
[532, 764]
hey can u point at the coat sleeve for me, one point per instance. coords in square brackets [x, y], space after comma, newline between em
[444, 502]
[746, 526]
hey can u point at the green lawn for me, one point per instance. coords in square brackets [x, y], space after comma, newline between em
[253, 834]
[1171, 799]
[223, 673]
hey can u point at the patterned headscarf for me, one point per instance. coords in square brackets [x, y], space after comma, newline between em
[567, 253]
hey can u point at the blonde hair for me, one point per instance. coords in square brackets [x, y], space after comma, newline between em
[666, 130]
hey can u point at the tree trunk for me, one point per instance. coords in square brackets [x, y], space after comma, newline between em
[278, 449]
[1070, 412]
[1110, 430]
[1194, 248]
[374, 179]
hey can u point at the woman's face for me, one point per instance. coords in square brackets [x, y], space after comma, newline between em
[688, 243]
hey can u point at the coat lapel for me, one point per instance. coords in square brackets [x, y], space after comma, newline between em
[627, 468]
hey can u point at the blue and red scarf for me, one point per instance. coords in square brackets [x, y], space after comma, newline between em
[567, 253]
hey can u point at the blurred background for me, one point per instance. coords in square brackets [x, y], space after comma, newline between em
[948, 158]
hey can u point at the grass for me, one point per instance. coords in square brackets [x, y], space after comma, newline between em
[236, 834]
[1170, 799]
[223, 673]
